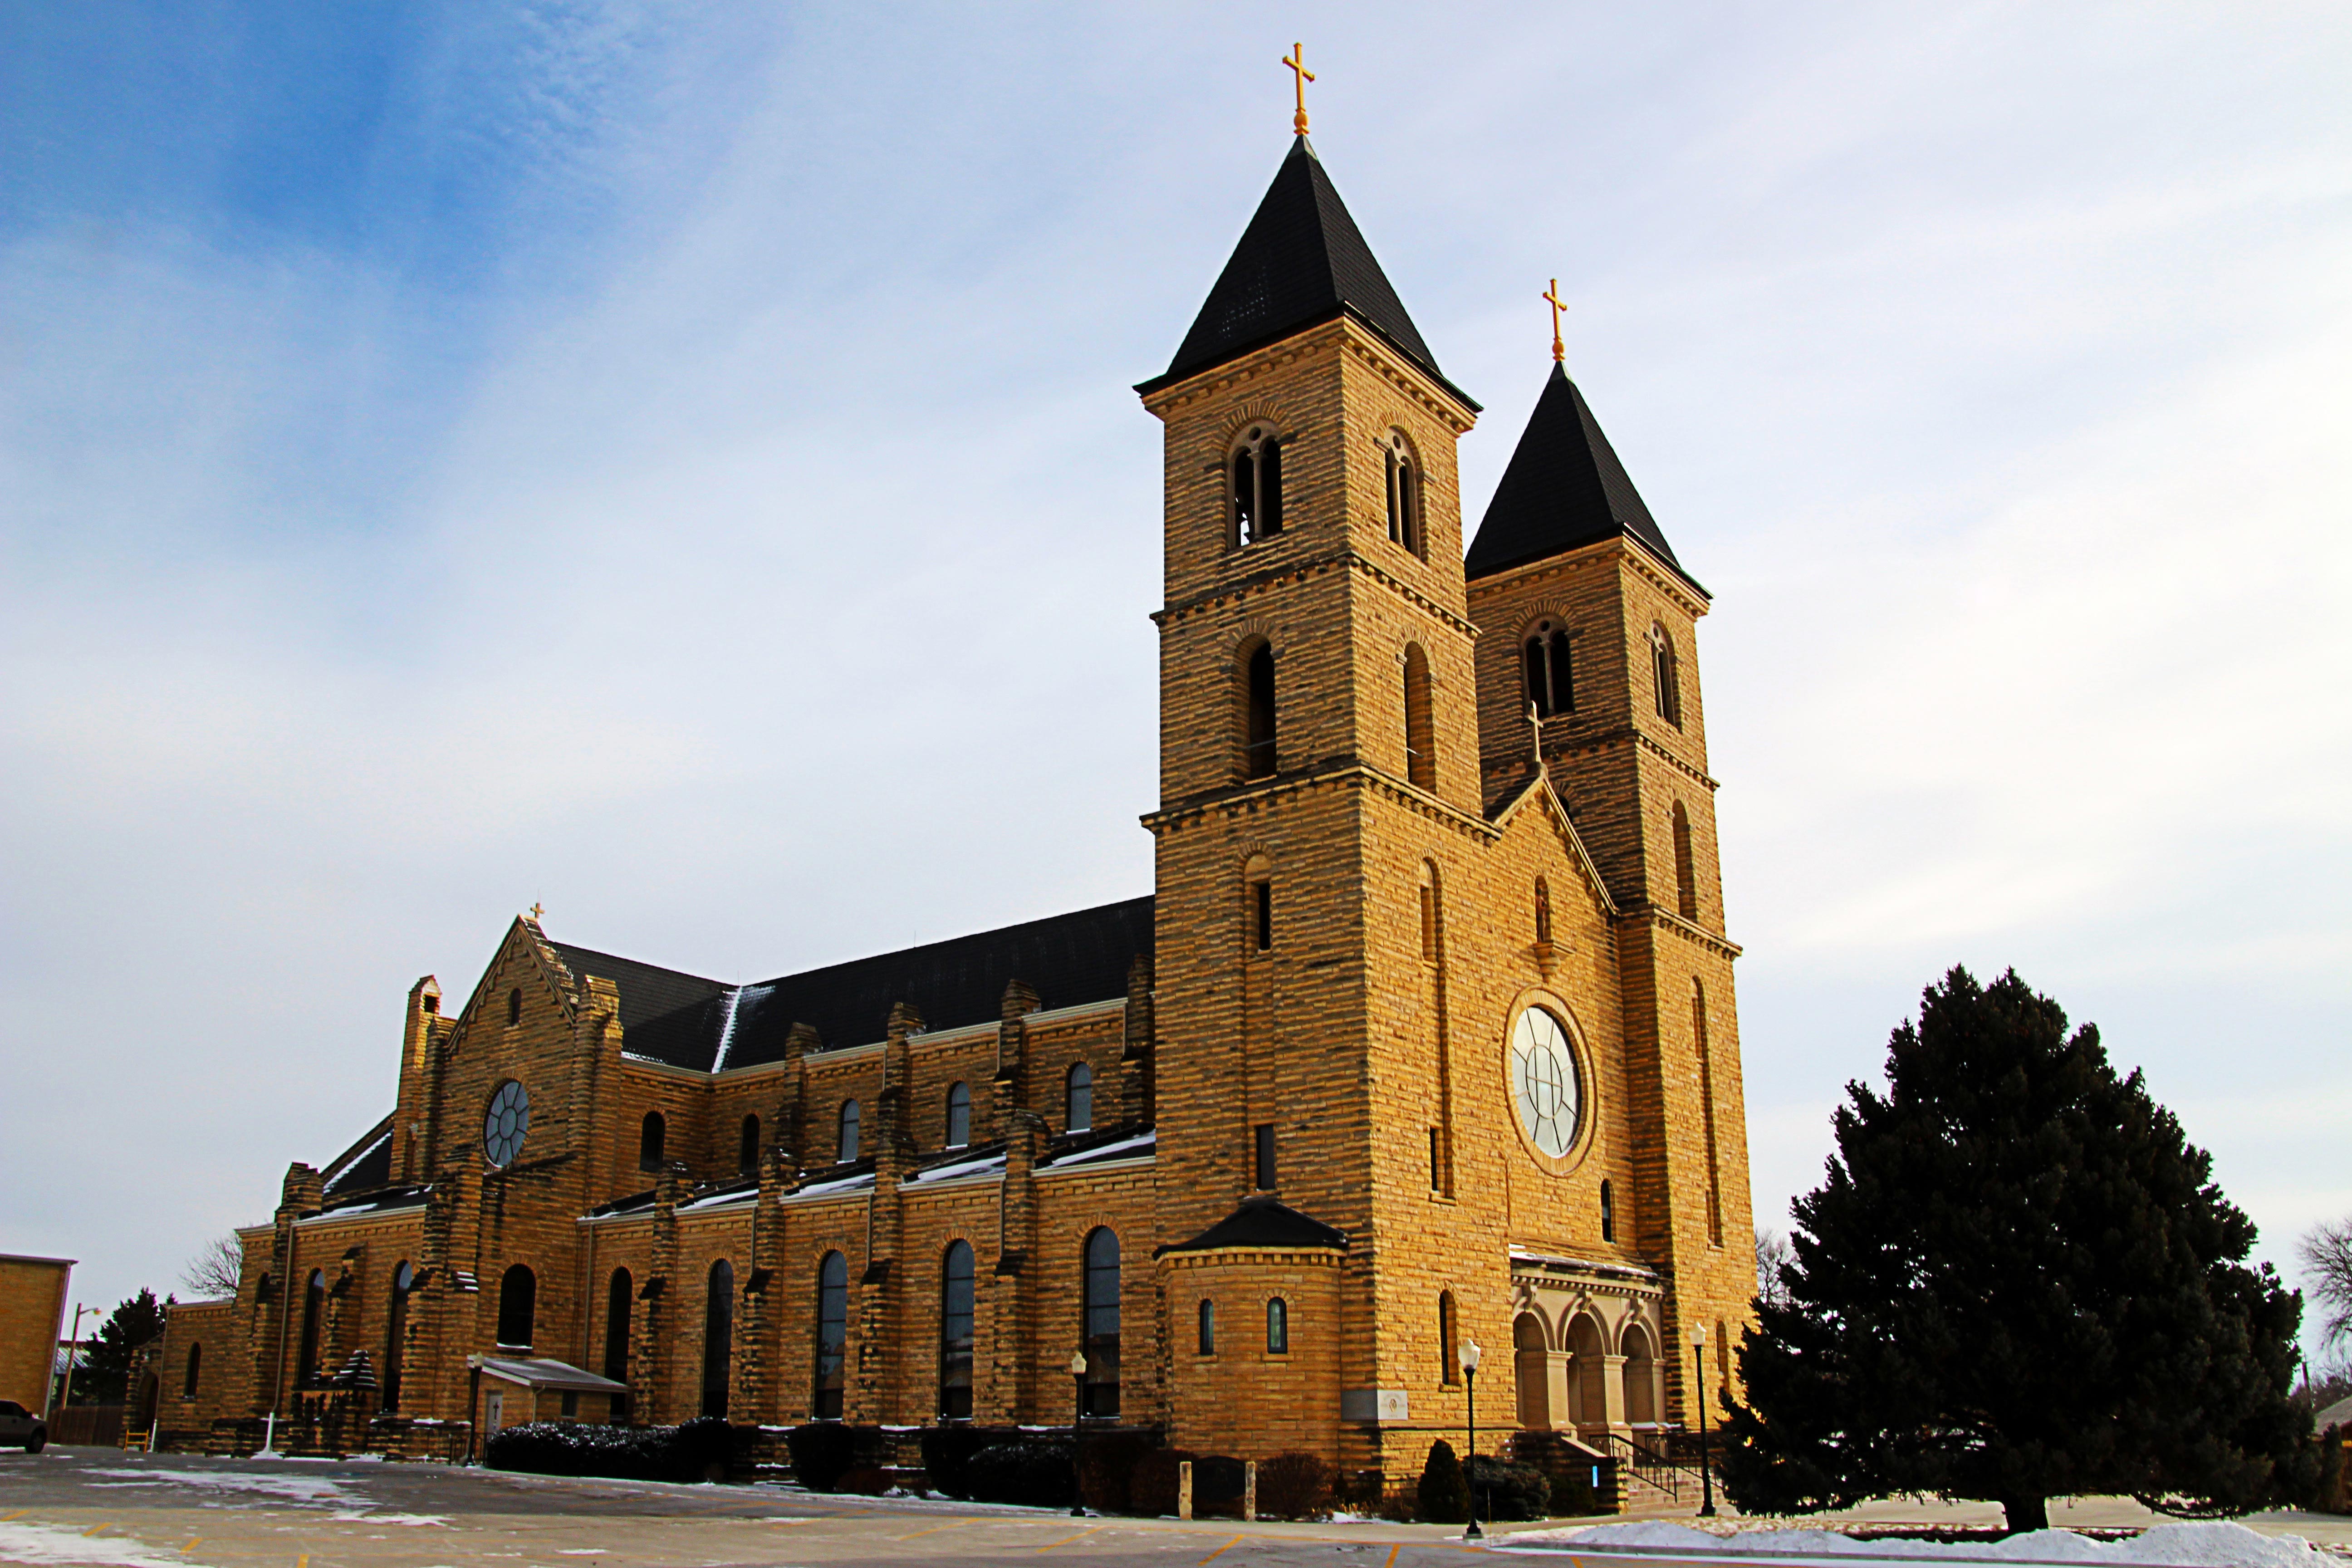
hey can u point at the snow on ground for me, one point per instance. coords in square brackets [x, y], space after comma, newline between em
[2198, 1545]
[39, 1543]
[391, 1518]
[288, 1488]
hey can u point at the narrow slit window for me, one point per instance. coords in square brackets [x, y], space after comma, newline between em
[1079, 1098]
[1685, 872]
[1278, 1326]
[747, 1147]
[1258, 731]
[1262, 1157]
[1403, 493]
[847, 1143]
[1262, 915]
[1665, 682]
[959, 1115]
[1208, 1340]
[1420, 739]
[1607, 1212]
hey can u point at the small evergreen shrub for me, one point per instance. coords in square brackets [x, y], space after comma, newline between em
[1294, 1486]
[1218, 1482]
[1106, 1460]
[1501, 1489]
[1444, 1496]
[1569, 1467]
[822, 1452]
[947, 1450]
[1040, 1475]
[1153, 1484]
[688, 1453]
[2328, 1496]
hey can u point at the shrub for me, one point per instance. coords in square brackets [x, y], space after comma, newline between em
[2329, 1495]
[822, 1452]
[1569, 1467]
[1294, 1486]
[1443, 1498]
[863, 1480]
[1105, 1462]
[1501, 1489]
[1218, 1482]
[1152, 1485]
[947, 1450]
[1038, 1474]
[695, 1451]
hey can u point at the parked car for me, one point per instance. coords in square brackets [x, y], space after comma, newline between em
[20, 1428]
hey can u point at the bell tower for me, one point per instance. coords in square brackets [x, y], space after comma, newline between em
[1318, 733]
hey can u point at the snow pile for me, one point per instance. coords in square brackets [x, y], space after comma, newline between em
[39, 1543]
[289, 1489]
[2198, 1545]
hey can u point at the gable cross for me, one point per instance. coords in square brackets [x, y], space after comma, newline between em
[535, 912]
[1296, 60]
[1557, 305]
[1535, 724]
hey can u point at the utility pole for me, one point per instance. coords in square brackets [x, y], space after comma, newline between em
[64, 1394]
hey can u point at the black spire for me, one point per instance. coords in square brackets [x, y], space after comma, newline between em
[1564, 488]
[1301, 262]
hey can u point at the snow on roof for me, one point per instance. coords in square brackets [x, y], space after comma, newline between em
[749, 1195]
[979, 1164]
[1140, 1146]
[857, 1181]
[535, 1372]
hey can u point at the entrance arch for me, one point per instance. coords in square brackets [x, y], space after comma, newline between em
[1641, 1378]
[1531, 1364]
[1588, 1397]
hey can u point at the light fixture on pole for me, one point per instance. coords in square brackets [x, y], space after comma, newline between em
[1470, 1385]
[1698, 1400]
[1078, 1414]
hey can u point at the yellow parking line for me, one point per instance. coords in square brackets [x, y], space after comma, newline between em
[936, 1529]
[1067, 1539]
[1236, 1540]
[93, 1530]
[18, 1514]
[303, 1560]
[1392, 1552]
[191, 1546]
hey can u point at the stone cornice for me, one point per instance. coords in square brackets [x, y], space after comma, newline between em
[1346, 772]
[1652, 570]
[1668, 920]
[1336, 333]
[1624, 735]
[1346, 558]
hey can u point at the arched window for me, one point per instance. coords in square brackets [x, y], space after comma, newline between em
[747, 1147]
[1261, 911]
[514, 1006]
[1607, 1211]
[1666, 685]
[1544, 660]
[959, 1115]
[1277, 1326]
[195, 1363]
[832, 1335]
[1208, 1340]
[1685, 875]
[1430, 911]
[1078, 1097]
[1255, 508]
[955, 1332]
[1530, 1365]
[652, 1133]
[518, 1306]
[1102, 1324]
[1420, 734]
[1404, 494]
[848, 1132]
[314, 1306]
[717, 1337]
[1258, 731]
[620, 1298]
[1543, 909]
[1707, 1110]
[395, 1335]
[1449, 1360]
[1722, 1352]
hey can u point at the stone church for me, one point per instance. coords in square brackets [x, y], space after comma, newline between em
[1424, 1040]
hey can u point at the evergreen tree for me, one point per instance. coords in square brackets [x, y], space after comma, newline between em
[102, 1375]
[2016, 1282]
[1443, 1495]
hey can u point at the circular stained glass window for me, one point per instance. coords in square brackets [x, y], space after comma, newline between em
[509, 1119]
[1543, 1082]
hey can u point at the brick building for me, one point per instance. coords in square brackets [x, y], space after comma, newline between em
[1426, 1034]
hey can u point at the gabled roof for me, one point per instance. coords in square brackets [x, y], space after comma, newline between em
[1264, 1222]
[366, 1164]
[1301, 262]
[665, 1014]
[1564, 488]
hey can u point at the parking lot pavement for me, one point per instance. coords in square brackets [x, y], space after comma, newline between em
[133, 1511]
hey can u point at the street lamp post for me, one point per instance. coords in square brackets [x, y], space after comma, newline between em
[1706, 1471]
[1077, 1415]
[1470, 1387]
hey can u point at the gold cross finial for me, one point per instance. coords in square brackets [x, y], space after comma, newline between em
[1296, 60]
[1557, 305]
[535, 912]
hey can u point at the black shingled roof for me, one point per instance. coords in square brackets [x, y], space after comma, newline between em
[1263, 1222]
[1301, 262]
[1564, 488]
[685, 1020]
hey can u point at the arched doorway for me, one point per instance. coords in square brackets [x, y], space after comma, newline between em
[1588, 1395]
[1641, 1378]
[1531, 1364]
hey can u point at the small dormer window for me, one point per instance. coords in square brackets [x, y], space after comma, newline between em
[1403, 492]
[1255, 487]
[514, 1006]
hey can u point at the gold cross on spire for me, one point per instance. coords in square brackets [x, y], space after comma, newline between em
[535, 912]
[1296, 60]
[1557, 305]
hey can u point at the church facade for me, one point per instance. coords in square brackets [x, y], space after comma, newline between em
[1425, 1038]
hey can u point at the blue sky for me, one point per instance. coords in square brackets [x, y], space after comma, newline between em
[678, 464]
